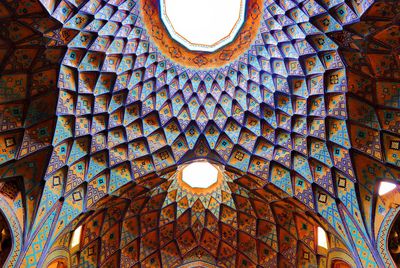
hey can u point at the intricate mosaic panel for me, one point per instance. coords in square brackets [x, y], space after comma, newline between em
[231, 225]
[95, 98]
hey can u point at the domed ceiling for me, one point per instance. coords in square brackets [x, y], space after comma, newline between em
[100, 108]
[233, 224]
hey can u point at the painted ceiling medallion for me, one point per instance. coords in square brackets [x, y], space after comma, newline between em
[205, 25]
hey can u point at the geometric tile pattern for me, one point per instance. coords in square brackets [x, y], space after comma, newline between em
[156, 225]
[370, 50]
[92, 110]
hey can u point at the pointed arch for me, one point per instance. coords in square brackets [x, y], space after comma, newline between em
[15, 232]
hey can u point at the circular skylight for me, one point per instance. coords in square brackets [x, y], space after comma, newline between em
[203, 25]
[200, 175]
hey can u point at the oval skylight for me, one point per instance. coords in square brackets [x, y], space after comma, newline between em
[200, 175]
[203, 25]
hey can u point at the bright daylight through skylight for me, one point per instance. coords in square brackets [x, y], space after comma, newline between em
[203, 25]
[200, 175]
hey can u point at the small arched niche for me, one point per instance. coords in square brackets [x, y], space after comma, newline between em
[340, 264]
[394, 241]
[58, 263]
[5, 239]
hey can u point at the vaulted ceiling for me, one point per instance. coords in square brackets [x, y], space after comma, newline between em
[99, 108]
